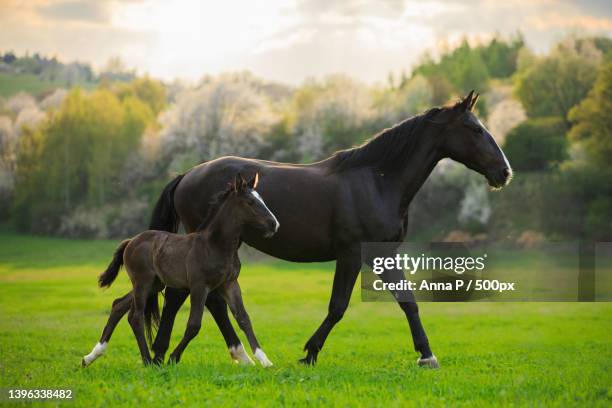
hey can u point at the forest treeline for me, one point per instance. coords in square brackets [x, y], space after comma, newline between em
[91, 163]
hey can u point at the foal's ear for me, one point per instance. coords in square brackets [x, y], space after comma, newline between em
[254, 181]
[240, 182]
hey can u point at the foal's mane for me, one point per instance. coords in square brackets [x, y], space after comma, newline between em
[215, 205]
[386, 151]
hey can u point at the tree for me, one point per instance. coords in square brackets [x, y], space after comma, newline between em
[148, 90]
[330, 115]
[537, 144]
[228, 115]
[553, 85]
[76, 156]
[501, 56]
[591, 119]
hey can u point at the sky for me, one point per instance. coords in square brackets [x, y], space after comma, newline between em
[282, 40]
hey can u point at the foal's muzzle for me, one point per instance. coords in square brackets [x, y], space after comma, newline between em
[271, 228]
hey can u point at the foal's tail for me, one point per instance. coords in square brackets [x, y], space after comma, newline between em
[109, 275]
[164, 216]
[151, 317]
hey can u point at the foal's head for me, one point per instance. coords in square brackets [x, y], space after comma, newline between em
[466, 140]
[248, 207]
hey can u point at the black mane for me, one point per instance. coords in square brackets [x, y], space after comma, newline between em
[215, 205]
[386, 151]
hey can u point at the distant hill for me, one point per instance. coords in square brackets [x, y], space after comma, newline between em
[37, 75]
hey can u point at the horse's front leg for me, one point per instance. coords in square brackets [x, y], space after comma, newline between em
[408, 303]
[348, 265]
[194, 322]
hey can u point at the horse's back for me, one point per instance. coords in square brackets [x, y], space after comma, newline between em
[296, 194]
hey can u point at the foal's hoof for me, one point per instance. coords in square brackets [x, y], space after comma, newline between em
[239, 355]
[83, 363]
[429, 362]
[158, 361]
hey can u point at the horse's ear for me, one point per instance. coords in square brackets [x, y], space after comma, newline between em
[474, 101]
[466, 103]
[254, 181]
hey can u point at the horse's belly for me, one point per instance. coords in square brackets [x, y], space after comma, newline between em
[293, 247]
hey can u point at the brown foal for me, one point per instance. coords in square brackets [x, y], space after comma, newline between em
[200, 262]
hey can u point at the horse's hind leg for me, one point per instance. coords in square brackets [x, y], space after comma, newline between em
[173, 300]
[197, 298]
[233, 296]
[136, 319]
[120, 308]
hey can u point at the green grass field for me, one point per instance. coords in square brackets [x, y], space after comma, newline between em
[32, 84]
[510, 354]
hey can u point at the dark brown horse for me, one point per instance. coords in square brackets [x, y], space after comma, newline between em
[327, 209]
[200, 263]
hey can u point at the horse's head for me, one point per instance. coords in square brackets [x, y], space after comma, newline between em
[466, 140]
[252, 209]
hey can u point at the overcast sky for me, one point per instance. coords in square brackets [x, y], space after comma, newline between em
[284, 40]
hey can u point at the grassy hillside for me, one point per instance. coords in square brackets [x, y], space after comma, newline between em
[32, 84]
[520, 354]
[12, 84]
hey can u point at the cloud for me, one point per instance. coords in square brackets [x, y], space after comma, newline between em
[90, 11]
[286, 40]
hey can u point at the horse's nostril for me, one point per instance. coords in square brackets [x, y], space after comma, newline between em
[506, 172]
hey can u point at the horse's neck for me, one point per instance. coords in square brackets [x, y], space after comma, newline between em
[415, 172]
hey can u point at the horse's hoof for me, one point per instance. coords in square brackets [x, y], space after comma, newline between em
[309, 360]
[305, 361]
[429, 362]
[157, 361]
[83, 363]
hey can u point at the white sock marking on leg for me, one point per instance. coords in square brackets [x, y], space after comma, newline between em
[263, 359]
[97, 351]
[239, 355]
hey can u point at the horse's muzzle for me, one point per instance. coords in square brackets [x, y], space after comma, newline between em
[500, 178]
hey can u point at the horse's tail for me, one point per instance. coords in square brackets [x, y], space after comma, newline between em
[109, 275]
[164, 216]
[151, 317]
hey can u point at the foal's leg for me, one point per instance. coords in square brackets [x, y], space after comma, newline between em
[136, 319]
[218, 309]
[197, 299]
[347, 270]
[120, 308]
[233, 296]
[173, 300]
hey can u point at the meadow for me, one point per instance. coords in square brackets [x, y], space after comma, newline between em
[507, 354]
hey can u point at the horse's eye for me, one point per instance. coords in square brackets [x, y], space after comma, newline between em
[250, 201]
